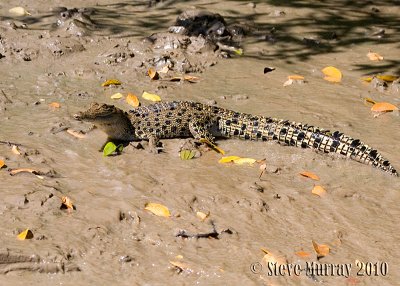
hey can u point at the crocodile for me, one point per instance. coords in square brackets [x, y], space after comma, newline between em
[179, 119]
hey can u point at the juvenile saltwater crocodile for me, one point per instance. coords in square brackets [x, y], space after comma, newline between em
[203, 122]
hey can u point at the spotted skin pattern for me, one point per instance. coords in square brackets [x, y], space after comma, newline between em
[179, 119]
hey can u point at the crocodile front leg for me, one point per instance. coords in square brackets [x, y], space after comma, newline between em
[200, 132]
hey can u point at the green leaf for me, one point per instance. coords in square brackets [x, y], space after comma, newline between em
[120, 147]
[187, 154]
[239, 52]
[109, 149]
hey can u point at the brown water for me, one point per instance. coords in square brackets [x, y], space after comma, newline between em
[110, 238]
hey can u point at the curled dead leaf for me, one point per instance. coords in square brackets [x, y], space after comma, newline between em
[153, 74]
[54, 105]
[26, 234]
[332, 74]
[158, 209]
[132, 99]
[319, 191]
[383, 107]
[374, 56]
[15, 150]
[2, 164]
[111, 82]
[66, 201]
[321, 249]
[310, 175]
[77, 134]
[151, 96]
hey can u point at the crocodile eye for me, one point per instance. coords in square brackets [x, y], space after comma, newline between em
[64, 14]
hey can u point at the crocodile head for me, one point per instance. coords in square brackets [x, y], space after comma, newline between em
[110, 119]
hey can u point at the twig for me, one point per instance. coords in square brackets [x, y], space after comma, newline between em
[10, 143]
[5, 96]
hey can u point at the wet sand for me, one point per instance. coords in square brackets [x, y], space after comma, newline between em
[110, 238]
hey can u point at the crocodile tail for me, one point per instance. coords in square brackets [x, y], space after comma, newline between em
[305, 136]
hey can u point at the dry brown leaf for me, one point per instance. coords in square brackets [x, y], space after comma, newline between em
[383, 107]
[111, 82]
[15, 150]
[153, 74]
[132, 99]
[319, 191]
[310, 175]
[303, 254]
[77, 134]
[374, 56]
[25, 170]
[67, 202]
[321, 249]
[332, 74]
[158, 209]
[2, 164]
[26, 234]
[54, 105]
[202, 216]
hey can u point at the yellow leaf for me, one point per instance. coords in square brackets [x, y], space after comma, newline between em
[132, 100]
[111, 82]
[242, 161]
[374, 56]
[158, 209]
[367, 78]
[15, 150]
[387, 77]
[321, 249]
[310, 175]
[187, 154]
[67, 202]
[54, 105]
[19, 11]
[151, 96]
[202, 216]
[228, 159]
[153, 74]
[26, 234]
[296, 77]
[383, 107]
[302, 254]
[2, 164]
[332, 74]
[77, 134]
[319, 191]
[117, 95]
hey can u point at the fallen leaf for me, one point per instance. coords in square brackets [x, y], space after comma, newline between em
[270, 257]
[268, 69]
[153, 74]
[77, 134]
[239, 52]
[54, 105]
[383, 107]
[2, 164]
[319, 191]
[111, 82]
[191, 78]
[374, 56]
[132, 99]
[19, 11]
[262, 168]
[26, 234]
[242, 161]
[187, 154]
[202, 216]
[15, 150]
[310, 175]
[387, 77]
[117, 95]
[180, 265]
[296, 77]
[158, 209]
[321, 249]
[151, 96]
[303, 254]
[367, 78]
[25, 170]
[228, 159]
[110, 148]
[332, 74]
[67, 202]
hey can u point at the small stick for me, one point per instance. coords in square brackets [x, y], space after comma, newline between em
[10, 143]
[5, 96]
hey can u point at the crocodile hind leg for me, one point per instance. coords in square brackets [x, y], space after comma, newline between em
[201, 133]
[155, 146]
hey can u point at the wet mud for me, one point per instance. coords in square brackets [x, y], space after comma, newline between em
[65, 50]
